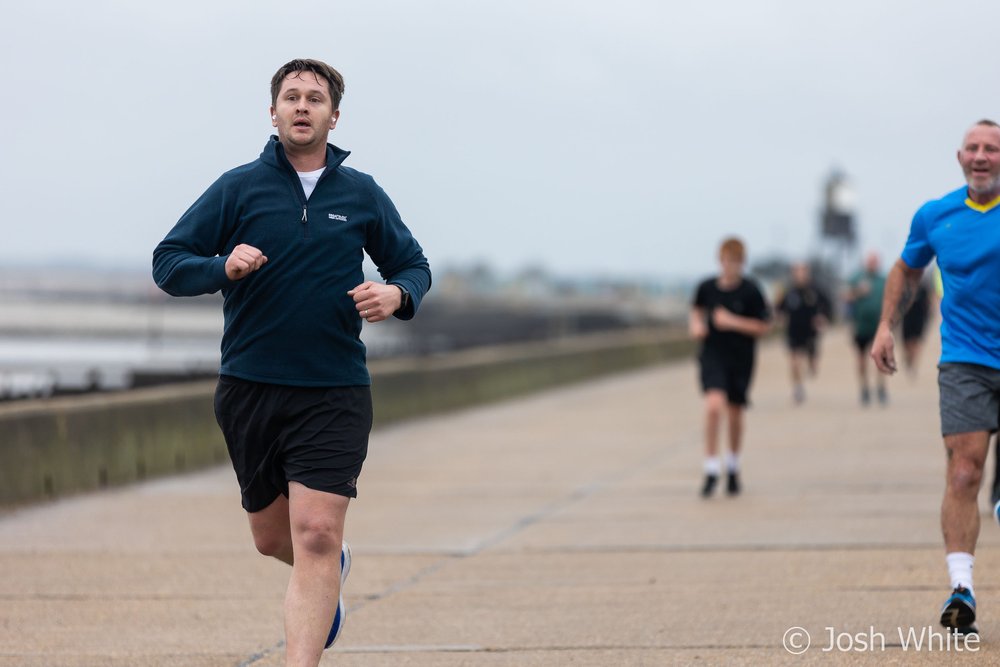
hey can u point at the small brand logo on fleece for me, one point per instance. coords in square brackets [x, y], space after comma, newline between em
[337, 216]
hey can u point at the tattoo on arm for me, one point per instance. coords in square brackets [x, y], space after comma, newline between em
[906, 299]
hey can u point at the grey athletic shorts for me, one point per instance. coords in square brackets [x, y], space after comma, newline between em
[969, 398]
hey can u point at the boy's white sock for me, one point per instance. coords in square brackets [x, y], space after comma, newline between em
[712, 466]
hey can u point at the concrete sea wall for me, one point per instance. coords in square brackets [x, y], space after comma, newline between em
[60, 446]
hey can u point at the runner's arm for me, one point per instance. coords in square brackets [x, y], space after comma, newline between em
[900, 290]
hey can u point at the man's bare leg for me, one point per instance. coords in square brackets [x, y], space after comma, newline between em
[960, 524]
[960, 509]
[306, 531]
[271, 532]
[316, 519]
[798, 360]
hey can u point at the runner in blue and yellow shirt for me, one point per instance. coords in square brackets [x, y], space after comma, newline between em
[962, 230]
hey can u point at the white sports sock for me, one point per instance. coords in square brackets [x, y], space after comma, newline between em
[732, 462]
[712, 465]
[960, 569]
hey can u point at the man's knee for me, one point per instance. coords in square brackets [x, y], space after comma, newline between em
[269, 528]
[271, 542]
[966, 458]
[965, 475]
[316, 520]
[317, 535]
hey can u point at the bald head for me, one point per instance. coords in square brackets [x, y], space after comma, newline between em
[979, 157]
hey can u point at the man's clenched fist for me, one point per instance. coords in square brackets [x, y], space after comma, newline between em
[244, 260]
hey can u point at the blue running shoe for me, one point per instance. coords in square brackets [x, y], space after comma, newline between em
[996, 511]
[959, 612]
[341, 615]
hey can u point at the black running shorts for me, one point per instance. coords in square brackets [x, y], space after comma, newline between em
[731, 374]
[802, 344]
[863, 342]
[276, 434]
[913, 327]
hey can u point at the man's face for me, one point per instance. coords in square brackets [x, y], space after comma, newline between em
[980, 159]
[800, 274]
[303, 112]
[871, 263]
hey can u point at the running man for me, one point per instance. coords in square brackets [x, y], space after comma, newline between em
[962, 230]
[864, 296]
[729, 313]
[283, 238]
[807, 311]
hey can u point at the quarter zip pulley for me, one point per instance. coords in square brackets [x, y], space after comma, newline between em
[305, 214]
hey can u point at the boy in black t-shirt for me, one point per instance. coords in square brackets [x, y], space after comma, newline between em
[728, 314]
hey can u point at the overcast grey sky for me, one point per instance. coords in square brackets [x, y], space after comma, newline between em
[619, 138]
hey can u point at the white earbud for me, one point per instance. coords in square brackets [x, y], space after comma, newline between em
[274, 118]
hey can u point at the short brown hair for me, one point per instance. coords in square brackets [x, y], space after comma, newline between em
[733, 247]
[333, 79]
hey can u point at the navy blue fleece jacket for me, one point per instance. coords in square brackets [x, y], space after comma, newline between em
[291, 322]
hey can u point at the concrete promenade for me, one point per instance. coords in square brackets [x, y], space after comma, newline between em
[564, 528]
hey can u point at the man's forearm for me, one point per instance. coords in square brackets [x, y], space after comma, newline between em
[750, 326]
[900, 292]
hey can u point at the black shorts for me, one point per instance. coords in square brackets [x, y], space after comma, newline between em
[276, 434]
[863, 342]
[913, 328]
[730, 374]
[803, 344]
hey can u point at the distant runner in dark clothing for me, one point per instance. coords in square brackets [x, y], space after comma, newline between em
[729, 312]
[806, 310]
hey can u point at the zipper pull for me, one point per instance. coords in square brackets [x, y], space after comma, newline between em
[305, 215]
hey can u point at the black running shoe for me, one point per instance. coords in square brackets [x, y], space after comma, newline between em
[959, 612]
[733, 483]
[709, 486]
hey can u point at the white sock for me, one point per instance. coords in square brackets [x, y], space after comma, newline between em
[712, 465]
[960, 569]
[732, 462]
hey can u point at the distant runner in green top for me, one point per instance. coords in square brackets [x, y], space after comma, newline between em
[864, 296]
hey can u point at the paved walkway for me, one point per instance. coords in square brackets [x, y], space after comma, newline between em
[559, 529]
